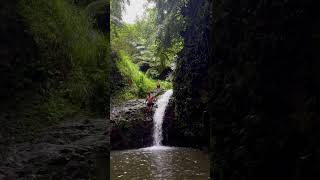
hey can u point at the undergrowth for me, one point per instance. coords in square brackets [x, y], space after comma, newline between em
[73, 60]
[138, 83]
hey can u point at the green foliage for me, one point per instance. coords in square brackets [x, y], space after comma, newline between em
[117, 7]
[122, 38]
[97, 6]
[146, 33]
[147, 27]
[52, 110]
[138, 83]
[161, 36]
[73, 59]
[67, 31]
[136, 44]
[123, 95]
[170, 23]
[137, 79]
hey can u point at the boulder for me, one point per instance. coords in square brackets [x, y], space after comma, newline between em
[165, 73]
[132, 127]
[144, 66]
[71, 150]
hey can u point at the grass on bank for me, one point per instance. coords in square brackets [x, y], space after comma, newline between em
[138, 83]
[73, 61]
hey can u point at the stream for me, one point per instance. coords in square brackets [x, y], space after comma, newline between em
[159, 162]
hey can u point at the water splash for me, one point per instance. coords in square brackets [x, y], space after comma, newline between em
[158, 117]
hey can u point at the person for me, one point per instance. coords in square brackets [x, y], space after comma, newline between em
[149, 101]
[158, 84]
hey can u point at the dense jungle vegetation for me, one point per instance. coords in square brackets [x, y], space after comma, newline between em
[54, 62]
[143, 52]
[168, 43]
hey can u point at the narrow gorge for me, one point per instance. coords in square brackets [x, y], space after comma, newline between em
[158, 161]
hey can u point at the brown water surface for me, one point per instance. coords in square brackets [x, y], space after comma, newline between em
[159, 163]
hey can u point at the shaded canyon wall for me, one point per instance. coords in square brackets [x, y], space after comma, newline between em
[190, 126]
[265, 90]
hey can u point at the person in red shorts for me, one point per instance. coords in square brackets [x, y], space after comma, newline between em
[158, 85]
[149, 101]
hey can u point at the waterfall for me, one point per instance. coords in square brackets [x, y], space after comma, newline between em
[158, 117]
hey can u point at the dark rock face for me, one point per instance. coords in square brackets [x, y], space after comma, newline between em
[72, 150]
[118, 81]
[131, 125]
[26, 76]
[265, 90]
[165, 73]
[19, 72]
[190, 78]
[173, 136]
[169, 135]
[102, 21]
[144, 67]
[17, 52]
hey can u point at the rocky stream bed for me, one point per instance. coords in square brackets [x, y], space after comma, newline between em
[77, 149]
[131, 124]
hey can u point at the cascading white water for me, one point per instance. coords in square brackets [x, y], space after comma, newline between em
[158, 117]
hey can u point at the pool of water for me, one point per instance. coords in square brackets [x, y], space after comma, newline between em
[159, 163]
